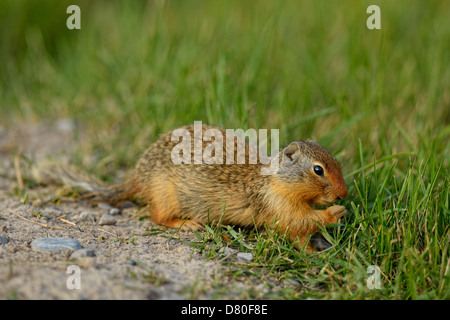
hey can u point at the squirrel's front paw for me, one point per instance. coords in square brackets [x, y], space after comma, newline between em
[336, 212]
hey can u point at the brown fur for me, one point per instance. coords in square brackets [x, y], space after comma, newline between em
[190, 195]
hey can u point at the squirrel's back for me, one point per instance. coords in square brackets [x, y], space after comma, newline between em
[206, 191]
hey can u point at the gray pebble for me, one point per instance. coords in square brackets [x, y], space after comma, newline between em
[53, 210]
[131, 261]
[227, 251]
[87, 216]
[55, 244]
[103, 205]
[86, 262]
[292, 282]
[82, 253]
[65, 125]
[3, 238]
[107, 219]
[244, 256]
[114, 211]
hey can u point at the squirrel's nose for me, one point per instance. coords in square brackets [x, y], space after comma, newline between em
[342, 195]
[345, 194]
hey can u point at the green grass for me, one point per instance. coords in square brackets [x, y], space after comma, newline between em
[379, 100]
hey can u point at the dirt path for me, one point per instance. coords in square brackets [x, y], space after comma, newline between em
[123, 260]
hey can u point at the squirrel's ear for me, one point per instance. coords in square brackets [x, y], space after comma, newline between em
[291, 152]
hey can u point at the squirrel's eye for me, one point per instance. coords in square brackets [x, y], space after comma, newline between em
[318, 170]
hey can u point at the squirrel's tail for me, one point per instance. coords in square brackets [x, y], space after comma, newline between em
[52, 173]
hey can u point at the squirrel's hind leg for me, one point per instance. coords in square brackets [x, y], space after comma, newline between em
[165, 207]
[167, 215]
[183, 224]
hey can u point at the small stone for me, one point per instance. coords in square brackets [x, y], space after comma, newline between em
[50, 198]
[53, 210]
[227, 251]
[244, 256]
[132, 262]
[87, 216]
[3, 238]
[86, 262]
[107, 219]
[55, 244]
[82, 253]
[103, 205]
[292, 282]
[114, 211]
[127, 204]
[66, 125]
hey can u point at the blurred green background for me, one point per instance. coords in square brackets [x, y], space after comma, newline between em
[309, 68]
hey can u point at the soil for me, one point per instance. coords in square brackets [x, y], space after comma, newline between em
[133, 259]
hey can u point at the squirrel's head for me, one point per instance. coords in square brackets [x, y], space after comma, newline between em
[312, 173]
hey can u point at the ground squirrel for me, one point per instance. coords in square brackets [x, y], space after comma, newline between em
[190, 195]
